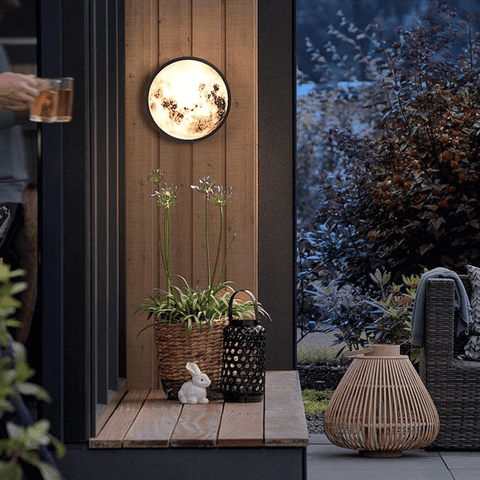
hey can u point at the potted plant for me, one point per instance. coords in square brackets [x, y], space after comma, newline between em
[189, 321]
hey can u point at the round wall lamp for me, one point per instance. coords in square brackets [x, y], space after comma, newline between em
[188, 99]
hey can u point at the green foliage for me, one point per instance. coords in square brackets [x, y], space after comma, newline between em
[315, 402]
[21, 443]
[191, 306]
[314, 18]
[383, 315]
[194, 306]
[392, 312]
[409, 198]
[335, 105]
[347, 314]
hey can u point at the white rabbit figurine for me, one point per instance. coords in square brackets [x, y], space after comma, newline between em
[194, 391]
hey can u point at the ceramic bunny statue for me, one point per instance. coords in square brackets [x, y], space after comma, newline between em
[194, 391]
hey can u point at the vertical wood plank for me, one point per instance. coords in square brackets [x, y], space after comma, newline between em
[175, 159]
[208, 33]
[141, 150]
[241, 153]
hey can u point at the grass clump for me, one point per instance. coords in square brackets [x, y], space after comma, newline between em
[315, 402]
[317, 353]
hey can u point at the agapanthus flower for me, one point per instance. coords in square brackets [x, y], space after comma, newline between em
[204, 184]
[217, 195]
[166, 196]
[156, 176]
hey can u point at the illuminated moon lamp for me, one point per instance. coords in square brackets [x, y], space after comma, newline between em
[188, 99]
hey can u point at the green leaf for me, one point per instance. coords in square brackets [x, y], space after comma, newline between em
[48, 472]
[60, 448]
[31, 457]
[10, 471]
[35, 390]
[12, 323]
[14, 431]
[18, 287]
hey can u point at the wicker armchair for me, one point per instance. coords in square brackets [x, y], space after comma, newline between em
[453, 384]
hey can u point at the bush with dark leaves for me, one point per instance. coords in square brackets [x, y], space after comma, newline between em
[409, 197]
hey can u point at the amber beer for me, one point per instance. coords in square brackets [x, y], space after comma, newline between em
[44, 108]
[65, 100]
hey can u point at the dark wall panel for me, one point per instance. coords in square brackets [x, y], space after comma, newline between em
[276, 138]
[81, 196]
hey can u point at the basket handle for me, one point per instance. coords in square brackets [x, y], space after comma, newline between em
[353, 353]
[254, 300]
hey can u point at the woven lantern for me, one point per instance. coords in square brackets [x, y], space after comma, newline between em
[381, 407]
[243, 371]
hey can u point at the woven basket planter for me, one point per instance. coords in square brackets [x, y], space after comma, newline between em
[203, 347]
[381, 407]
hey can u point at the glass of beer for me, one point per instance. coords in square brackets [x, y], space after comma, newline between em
[44, 108]
[65, 100]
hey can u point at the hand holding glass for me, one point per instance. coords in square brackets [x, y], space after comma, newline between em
[54, 104]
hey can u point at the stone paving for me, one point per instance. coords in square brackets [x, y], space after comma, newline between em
[327, 461]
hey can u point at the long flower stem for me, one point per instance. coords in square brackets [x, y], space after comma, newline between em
[207, 243]
[160, 237]
[166, 231]
[219, 246]
[226, 255]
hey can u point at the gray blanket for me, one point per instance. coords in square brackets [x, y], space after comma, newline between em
[461, 305]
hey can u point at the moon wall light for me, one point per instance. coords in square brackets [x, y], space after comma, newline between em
[188, 99]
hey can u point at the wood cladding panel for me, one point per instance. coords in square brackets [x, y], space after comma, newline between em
[208, 155]
[175, 158]
[141, 152]
[241, 154]
[223, 32]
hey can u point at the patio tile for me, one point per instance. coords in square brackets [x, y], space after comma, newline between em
[463, 465]
[330, 462]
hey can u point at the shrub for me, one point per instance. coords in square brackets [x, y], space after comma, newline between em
[333, 105]
[20, 445]
[409, 196]
[356, 319]
[391, 312]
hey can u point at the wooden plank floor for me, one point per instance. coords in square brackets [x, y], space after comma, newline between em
[146, 419]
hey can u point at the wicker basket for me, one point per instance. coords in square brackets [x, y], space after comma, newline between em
[381, 406]
[203, 347]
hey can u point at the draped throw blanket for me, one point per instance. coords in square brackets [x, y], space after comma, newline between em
[461, 305]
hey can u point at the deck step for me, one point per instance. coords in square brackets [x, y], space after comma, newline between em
[146, 419]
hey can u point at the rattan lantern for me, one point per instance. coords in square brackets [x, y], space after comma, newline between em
[243, 371]
[381, 407]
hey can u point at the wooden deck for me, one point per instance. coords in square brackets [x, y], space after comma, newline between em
[146, 419]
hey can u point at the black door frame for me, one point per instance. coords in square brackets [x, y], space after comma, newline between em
[81, 215]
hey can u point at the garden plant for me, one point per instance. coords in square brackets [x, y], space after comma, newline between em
[190, 305]
[406, 195]
[22, 446]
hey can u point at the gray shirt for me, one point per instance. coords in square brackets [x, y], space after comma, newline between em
[13, 167]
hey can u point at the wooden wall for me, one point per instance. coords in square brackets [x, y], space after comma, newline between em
[224, 32]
